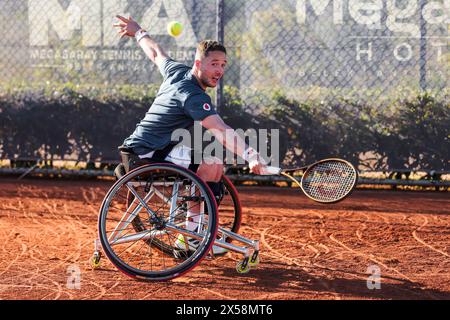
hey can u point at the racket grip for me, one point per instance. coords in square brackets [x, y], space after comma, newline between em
[268, 171]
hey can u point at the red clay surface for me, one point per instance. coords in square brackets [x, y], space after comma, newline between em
[308, 250]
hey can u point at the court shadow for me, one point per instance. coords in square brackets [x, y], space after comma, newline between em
[277, 278]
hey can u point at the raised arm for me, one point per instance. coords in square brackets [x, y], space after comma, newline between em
[129, 27]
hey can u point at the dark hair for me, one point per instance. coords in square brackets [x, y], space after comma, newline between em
[207, 46]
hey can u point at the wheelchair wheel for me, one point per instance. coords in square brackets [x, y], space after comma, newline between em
[230, 211]
[160, 195]
[230, 216]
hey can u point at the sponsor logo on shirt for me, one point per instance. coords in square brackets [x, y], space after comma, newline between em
[206, 107]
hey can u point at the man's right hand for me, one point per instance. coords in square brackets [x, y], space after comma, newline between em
[257, 164]
[128, 27]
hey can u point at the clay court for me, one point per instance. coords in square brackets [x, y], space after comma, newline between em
[308, 250]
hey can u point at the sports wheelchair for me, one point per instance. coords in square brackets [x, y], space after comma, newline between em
[144, 213]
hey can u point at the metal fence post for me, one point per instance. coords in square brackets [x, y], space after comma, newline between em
[220, 37]
[423, 49]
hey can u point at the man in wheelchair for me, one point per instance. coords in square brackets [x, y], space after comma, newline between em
[180, 102]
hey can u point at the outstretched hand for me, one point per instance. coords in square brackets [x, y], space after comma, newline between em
[257, 165]
[128, 27]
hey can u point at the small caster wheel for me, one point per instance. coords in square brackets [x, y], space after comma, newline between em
[95, 260]
[254, 263]
[240, 267]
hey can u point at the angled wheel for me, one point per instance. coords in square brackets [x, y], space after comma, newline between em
[242, 267]
[230, 215]
[95, 260]
[160, 195]
[230, 211]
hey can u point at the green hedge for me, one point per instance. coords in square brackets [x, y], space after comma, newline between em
[68, 120]
[61, 122]
[410, 133]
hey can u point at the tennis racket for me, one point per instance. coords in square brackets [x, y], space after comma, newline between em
[326, 181]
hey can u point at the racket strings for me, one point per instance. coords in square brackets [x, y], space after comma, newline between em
[329, 181]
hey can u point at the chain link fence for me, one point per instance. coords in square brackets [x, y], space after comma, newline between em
[306, 51]
[74, 40]
[323, 50]
[309, 49]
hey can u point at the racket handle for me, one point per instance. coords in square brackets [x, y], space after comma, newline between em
[268, 171]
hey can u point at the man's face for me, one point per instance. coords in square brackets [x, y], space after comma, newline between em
[212, 68]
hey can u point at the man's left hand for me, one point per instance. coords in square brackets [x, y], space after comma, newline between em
[128, 27]
[257, 165]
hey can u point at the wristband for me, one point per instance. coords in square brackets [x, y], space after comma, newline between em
[141, 33]
[249, 154]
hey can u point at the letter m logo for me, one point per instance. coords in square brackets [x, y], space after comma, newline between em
[82, 15]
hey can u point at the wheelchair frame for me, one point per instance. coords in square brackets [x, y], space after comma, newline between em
[249, 250]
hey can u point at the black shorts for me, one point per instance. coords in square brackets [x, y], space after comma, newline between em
[131, 160]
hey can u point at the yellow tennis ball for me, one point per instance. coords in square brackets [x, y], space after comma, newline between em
[174, 28]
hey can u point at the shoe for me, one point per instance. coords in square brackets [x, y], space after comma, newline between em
[186, 243]
[185, 247]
